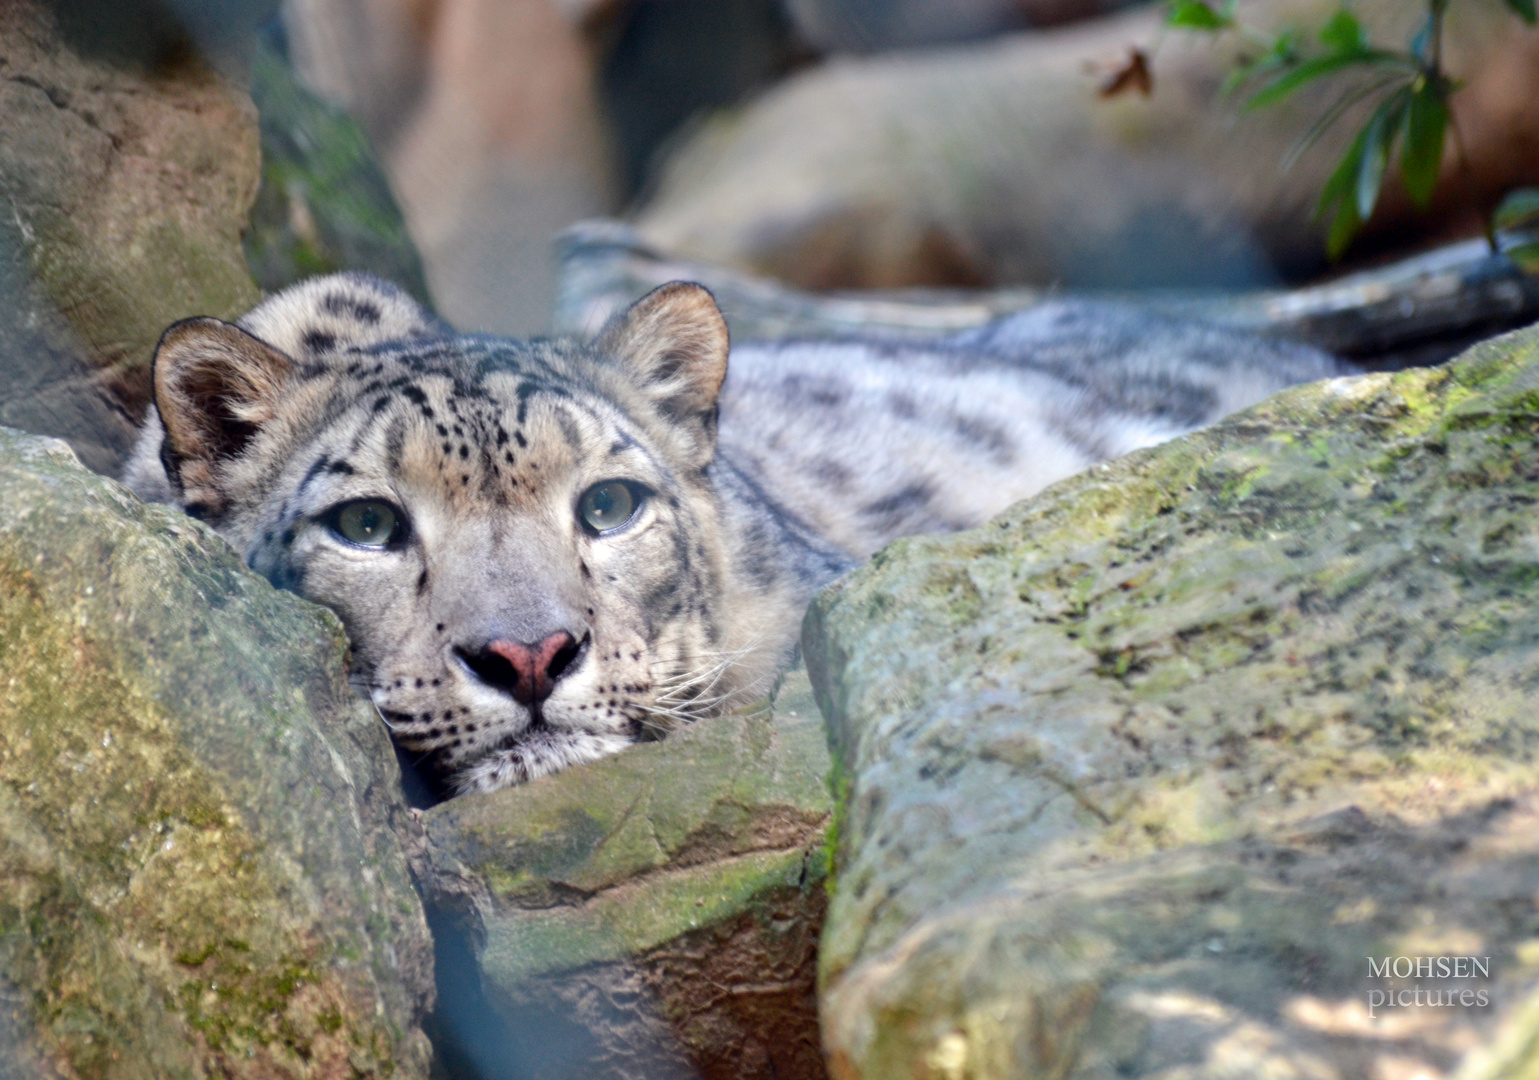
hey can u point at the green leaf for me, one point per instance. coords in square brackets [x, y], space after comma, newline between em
[1526, 256]
[1340, 192]
[1377, 140]
[1326, 120]
[1525, 10]
[1282, 53]
[1197, 15]
[1314, 69]
[1345, 226]
[1344, 176]
[1518, 210]
[1426, 123]
[1344, 34]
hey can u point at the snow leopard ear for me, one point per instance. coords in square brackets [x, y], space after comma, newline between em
[215, 386]
[674, 341]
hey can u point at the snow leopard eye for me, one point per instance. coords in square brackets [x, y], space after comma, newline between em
[608, 505]
[368, 523]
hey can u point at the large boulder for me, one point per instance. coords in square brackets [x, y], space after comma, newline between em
[1178, 768]
[127, 164]
[652, 915]
[998, 163]
[199, 868]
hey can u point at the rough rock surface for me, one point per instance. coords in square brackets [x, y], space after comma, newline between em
[651, 915]
[999, 164]
[1142, 774]
[199, 873]
[124, 182]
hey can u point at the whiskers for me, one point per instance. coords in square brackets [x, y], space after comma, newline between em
[704, 684]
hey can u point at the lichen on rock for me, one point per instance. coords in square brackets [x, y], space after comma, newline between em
[199, 869]
[1142, 772]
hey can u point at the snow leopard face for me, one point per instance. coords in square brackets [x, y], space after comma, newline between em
[518, 536]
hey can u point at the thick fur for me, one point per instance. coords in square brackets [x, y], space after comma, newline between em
[760, 489]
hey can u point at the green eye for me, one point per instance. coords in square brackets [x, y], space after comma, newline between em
[607, 506]
[371, 524]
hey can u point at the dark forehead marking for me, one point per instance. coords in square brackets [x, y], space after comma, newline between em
[311, 473]
[526, 390]
[569, 429]
[395, 440]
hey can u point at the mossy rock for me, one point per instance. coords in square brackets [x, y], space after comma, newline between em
[1144, 772]
[325, 203]
[655, 914]
[199, 873]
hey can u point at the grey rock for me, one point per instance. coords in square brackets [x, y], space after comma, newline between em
[124, 179]
[651, 915]
[1142, 774]
[199, 867]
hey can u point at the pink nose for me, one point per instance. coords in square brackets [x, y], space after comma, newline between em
[535, 668]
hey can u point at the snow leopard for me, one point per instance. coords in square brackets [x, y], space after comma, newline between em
[546, 550]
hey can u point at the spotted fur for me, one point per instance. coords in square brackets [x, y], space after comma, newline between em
[753, 493]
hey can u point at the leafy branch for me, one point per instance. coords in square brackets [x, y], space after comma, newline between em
[1411, 89]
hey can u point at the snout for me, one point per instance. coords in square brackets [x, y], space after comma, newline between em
[528, 671]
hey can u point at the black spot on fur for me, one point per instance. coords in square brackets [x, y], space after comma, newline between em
[835, 474]
[422, 581]
[502, 436]
[341, 468]
[318, 342]
[889, 510]
[823, 392]
[381, 404]
[414, 394]
[464, 451]
[342, 304]
[902, 405]
[518, 437]
[985, 436]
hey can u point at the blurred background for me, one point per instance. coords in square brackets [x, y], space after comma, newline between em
[858, 144]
